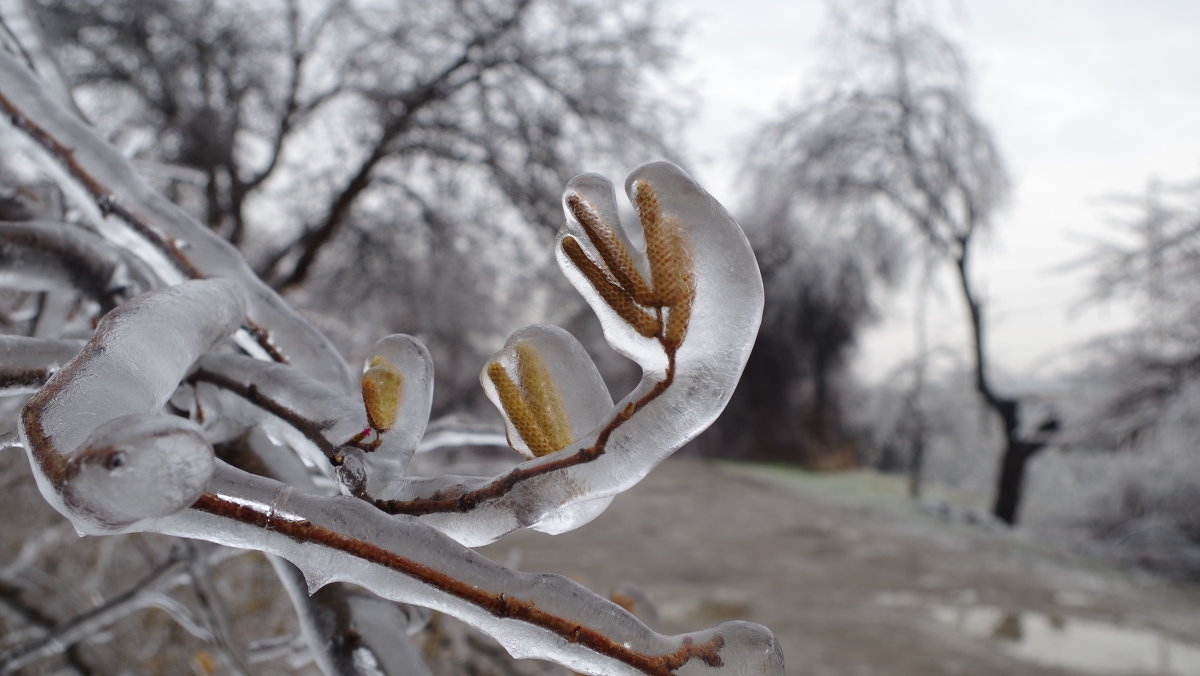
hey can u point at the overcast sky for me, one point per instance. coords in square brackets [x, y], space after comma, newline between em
[1087, 98]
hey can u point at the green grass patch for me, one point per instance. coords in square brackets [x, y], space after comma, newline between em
[857, 487]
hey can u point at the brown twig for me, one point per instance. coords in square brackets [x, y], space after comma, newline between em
[469, 500]
[311, 429]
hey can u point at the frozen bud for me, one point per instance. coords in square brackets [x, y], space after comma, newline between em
[138, 467]
[382, 389]
[352, 472]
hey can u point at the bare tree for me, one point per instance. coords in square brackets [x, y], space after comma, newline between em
[1152, 259]
[346, 135]
[893, 141]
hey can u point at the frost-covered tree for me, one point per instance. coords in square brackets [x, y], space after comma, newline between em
[892, 141]
[187, 398]
[1153, 260]
[1137, 393]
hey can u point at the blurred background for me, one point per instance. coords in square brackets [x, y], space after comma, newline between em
[975, 391]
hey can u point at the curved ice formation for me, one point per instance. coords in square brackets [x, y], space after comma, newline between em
[27, 363]
[130, 367]
[567, 391]
[689, 372]
[106, 455]
[326, 427]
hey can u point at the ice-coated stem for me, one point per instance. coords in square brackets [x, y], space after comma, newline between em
[54, 256]
[320, 423]
[532, 615]
[710, 296]
[92, 622]
[337, 611]
[381, 628]
[171, 242]
[27, 363]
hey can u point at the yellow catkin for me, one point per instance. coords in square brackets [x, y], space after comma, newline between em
[617, 298]
[542, 395]
[678, 317]
[382, 389]
[612, 249]
[679, 284]
[517, 410]
[667, 249]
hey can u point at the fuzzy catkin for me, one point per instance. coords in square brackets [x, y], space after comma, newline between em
[612, 250]
[542, 396]
[517, 410]
[382, 390]
[613, 295]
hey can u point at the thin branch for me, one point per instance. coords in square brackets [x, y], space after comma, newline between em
[79, 628]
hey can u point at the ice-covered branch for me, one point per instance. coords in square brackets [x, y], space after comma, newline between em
[380, 628]
[234, 393]
[106, 457]
[108, 461]
[109, 458]
[27, 363]
[52, 256]
[66, 634]
[162, 234]
[544, 616]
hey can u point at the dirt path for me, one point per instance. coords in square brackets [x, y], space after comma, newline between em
[867, 589]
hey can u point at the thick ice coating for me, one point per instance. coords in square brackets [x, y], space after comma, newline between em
[411, 358]
[48, 255]
[131, 366]
[326, 427]
[174, 244]
[27, 363]
[531, 615]
[593, 222]
[137, 467]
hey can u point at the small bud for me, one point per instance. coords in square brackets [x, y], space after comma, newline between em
[382, 388]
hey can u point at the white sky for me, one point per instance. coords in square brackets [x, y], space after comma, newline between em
[1087, 98]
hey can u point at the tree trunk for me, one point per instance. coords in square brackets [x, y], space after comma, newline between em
[1017, 451]
[916, 459]
[1012, 480]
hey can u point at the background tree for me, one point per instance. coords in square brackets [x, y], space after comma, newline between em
[1153, 260]
[892, 141]
[819, 297]
[1138, 392]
